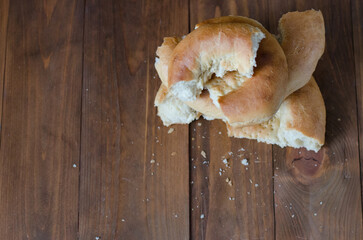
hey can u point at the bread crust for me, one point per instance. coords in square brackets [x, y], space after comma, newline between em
[259, 97]
[303, 111]
[303, 41]
[212, 43]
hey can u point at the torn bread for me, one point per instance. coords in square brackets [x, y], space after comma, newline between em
[289, 132]
[248, 99]
[300, 122]
[171, 110]
[302, 37]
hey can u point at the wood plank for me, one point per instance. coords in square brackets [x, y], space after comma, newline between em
[123, 195]
[245, 209]
[41, 120]
[317, 195]
[357, 20]
[4, 10]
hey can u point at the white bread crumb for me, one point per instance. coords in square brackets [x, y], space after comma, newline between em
[244, 162]
[229, 181]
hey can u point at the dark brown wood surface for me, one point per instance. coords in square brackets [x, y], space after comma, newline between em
[84, 156]
[41, 112]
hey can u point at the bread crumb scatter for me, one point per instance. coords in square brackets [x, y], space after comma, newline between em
[201, 216]
[193, 139]
[321, 203]
[250, 181]
[199, 124]
[315, 214]
[231, 198]
[74, 165]
[244, 162]
[219, 133]
[292, 215]
[123, 220]
[152, 161]
[170, 130]
[97, 238]
[241, 150]
[256, 185]
[203, 154]
[225, 161]
[229, 181]
[339, 119]
[173, 154]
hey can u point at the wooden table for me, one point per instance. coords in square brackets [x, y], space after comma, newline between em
[79, 131]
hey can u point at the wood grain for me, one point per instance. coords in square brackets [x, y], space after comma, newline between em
[134, 175]
[317, 195]
[4, 10]
[357, 20]
[245, 209]
[84, 155]
[41, 120]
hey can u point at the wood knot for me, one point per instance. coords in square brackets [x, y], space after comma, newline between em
[306, 165]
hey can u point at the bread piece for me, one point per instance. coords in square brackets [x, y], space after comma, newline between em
[212, 49]
[291, 126]
[171, 110]
[303, 41]
[163, 54]
[300, 122]
[248, 100]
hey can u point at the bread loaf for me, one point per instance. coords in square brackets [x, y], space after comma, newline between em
[250, 105]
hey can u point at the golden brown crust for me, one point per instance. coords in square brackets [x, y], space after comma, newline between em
[260, 96]
[303, 41]
[164, 53]
[308, 114]
[212, 42]
[161, 94]
[303, 111]
[233, 19]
